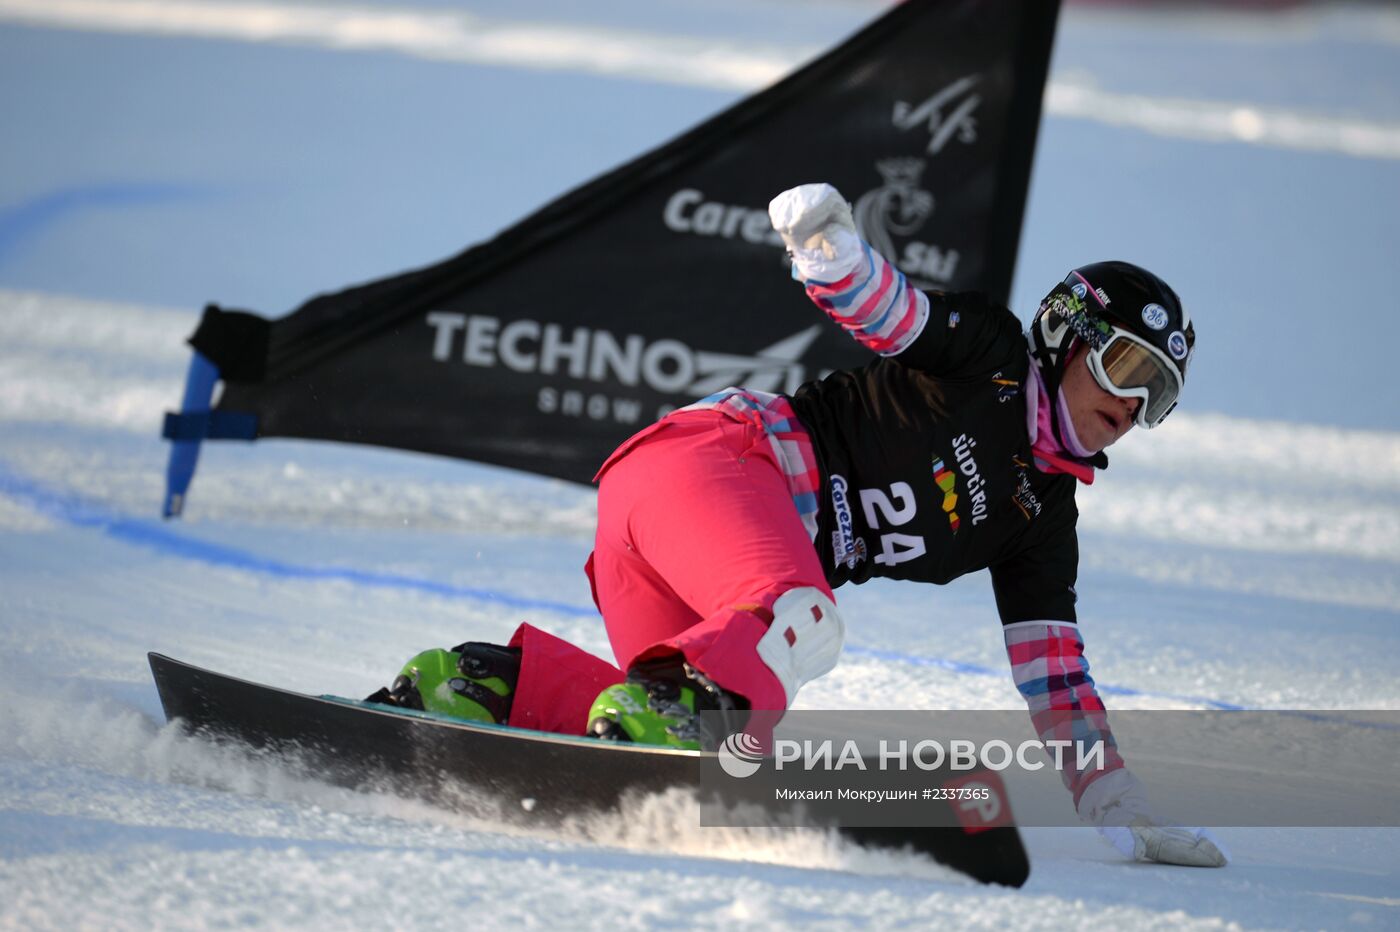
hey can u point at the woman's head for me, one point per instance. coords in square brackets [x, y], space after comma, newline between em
[1116, 339]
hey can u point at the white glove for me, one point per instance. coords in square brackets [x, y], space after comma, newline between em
[1116, 804]
[815, 222]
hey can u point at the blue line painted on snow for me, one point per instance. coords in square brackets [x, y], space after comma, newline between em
[74, 510]
[26, 220]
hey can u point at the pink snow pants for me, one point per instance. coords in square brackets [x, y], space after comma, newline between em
[697, 537]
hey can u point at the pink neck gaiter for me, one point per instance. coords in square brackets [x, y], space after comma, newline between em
[1051, 455]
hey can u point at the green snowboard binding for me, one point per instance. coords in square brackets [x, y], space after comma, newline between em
[472, 681]
[660, 703]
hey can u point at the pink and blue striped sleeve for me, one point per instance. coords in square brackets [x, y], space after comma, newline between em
[1051, 673]
[875, 304]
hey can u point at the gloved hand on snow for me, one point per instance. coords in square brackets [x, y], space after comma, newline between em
[815, 222]
[1116, 804]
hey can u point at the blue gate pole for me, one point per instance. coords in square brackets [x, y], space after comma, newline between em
[184, 453]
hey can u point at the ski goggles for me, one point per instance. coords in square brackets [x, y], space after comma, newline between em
[1129, 367]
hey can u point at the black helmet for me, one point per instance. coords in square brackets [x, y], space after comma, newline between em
[1139, 336]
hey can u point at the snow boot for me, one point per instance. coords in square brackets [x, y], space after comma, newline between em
[660, 703]
[472, 681]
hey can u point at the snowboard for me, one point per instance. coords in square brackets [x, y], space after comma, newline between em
[531, 776]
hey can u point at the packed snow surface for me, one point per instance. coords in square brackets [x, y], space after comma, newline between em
[1246, 555]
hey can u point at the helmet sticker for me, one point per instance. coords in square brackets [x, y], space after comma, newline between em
[1080, 290]
[1155, 316]
[1176, 343]
[1070, 308]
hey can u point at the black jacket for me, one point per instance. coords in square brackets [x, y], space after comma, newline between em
[927, 471]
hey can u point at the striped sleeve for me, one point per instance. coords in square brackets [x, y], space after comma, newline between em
[875, 304]
[1051, 673]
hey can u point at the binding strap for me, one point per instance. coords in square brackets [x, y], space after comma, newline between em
[480, 661]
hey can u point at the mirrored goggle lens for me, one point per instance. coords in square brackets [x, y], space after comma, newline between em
[1129, 364]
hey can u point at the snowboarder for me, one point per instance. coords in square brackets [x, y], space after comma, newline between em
[724, 527]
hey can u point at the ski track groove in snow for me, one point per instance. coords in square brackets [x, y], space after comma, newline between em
[465, 38]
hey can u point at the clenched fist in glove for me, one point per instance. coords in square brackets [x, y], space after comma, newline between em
[815, 222]
[1117, 805]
